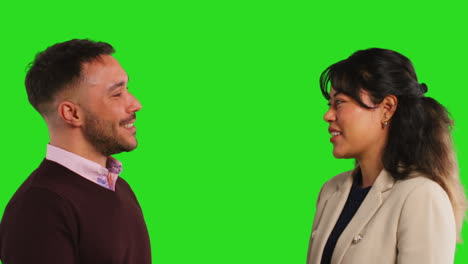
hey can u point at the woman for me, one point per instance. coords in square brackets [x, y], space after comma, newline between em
[403, 203]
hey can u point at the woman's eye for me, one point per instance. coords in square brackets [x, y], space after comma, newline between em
[335, 103]
[338, 102]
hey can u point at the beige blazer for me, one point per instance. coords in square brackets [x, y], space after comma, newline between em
[405, 222]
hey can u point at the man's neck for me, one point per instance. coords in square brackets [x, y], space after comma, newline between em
[81, 149]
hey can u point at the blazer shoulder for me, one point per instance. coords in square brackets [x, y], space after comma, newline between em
[332, 185]
[420, 183]
[421, 189]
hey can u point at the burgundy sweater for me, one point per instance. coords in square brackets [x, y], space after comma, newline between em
[59, 217]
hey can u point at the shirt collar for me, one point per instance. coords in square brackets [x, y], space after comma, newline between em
[90, 170]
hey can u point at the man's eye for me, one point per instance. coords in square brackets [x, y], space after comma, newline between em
[116, 95]
[338, 102]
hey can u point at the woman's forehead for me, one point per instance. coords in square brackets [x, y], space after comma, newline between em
[364, 95]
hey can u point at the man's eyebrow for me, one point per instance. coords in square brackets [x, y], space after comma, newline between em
[117, 85]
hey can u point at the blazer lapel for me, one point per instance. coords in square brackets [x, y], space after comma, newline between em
[366, 211]
[330, 213]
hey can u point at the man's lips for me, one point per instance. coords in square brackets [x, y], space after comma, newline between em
[130, 124]
[129, 121]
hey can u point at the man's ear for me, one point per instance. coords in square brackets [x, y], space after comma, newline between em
[70, 113]
[389, 105]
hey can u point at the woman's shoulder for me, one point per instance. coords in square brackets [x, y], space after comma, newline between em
[417, 182]
[420, 185]
[336, 182]
[420, 199]
[339, 179]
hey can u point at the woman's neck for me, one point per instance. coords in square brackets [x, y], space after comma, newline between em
[370, 169]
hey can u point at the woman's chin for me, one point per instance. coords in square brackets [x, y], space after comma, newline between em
[341, 154]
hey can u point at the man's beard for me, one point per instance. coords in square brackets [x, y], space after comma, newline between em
[104, 136]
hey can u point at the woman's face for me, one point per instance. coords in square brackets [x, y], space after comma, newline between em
[356, 132]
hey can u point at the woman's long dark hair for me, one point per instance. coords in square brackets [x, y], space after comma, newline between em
[419, 137]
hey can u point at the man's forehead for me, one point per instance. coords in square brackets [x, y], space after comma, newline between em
[99, 63]
[103, 69]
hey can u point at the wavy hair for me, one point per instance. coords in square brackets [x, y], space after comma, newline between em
[419, 137]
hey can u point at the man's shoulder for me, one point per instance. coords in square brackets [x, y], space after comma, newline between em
[41, 182]
[49, 180]
[50, 175]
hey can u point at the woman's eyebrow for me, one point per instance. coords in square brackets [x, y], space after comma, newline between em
[337, 93]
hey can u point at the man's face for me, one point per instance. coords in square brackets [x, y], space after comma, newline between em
[108, 106]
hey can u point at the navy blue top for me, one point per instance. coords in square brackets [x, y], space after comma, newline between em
[355, 198]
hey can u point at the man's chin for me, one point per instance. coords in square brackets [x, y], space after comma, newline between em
[119, 149]
[130, 146]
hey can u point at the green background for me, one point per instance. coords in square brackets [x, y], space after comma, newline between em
[233, 148]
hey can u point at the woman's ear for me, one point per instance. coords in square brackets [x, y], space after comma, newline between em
[389, 105]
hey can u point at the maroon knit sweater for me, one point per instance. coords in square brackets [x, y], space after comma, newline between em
[59, 217]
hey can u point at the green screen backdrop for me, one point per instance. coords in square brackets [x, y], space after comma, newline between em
[233, 147]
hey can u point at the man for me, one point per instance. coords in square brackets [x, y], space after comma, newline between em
[74, 208]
